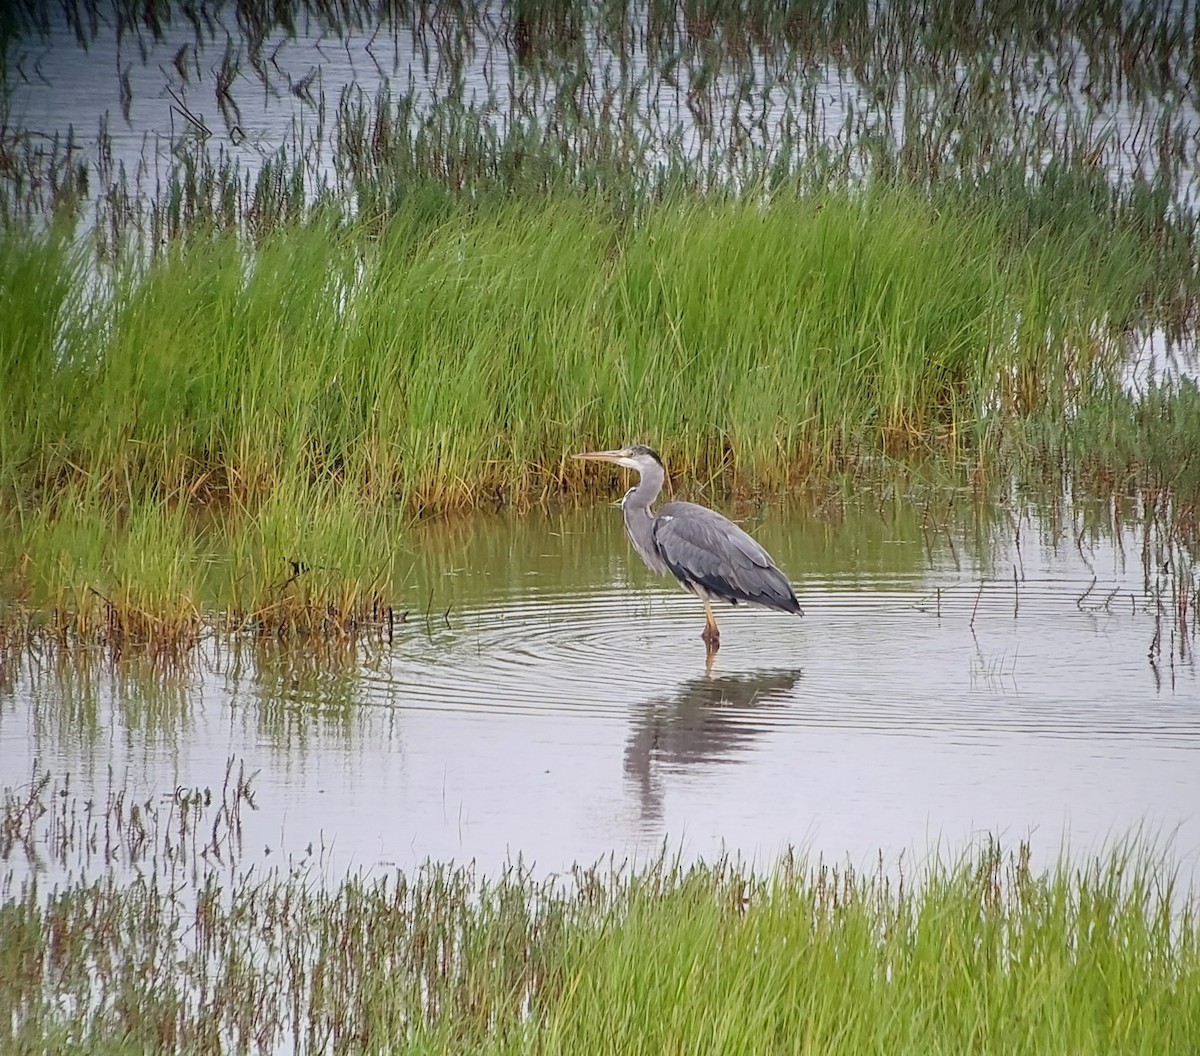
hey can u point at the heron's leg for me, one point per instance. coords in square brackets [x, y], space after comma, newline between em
[711, 633]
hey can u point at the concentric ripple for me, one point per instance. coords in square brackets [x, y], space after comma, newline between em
[563, 708]
[1056, 655]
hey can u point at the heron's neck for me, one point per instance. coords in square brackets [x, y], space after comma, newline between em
[650, 483]
[639, 521]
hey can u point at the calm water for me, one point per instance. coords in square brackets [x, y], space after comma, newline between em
[561, 709]
[137, 103]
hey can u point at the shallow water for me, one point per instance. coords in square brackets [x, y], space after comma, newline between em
[135, 96]
[956, 672]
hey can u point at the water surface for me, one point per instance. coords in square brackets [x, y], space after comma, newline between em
[955, 673]
[142, 94]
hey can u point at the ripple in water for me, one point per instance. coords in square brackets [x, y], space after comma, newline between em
[1056, 655]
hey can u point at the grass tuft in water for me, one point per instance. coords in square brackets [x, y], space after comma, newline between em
[985, 953]
[278, 412]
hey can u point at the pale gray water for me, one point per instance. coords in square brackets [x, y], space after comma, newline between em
[563, 711]
[141, 105]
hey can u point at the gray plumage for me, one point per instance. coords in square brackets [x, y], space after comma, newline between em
[709, 554]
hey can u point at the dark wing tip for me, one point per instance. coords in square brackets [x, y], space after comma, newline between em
[765, 587]
[705, 550]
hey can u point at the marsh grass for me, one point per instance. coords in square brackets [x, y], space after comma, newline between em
[160, 578]
[247, 428]
[434, 366]
[983, 953]
[564, 229]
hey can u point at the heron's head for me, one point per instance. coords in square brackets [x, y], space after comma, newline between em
[638, 456]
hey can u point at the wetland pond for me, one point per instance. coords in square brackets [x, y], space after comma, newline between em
[1022, 673]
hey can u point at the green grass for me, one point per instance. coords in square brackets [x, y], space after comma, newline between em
[433, 365]
[983, 955]
[156, 574]
[288, 405]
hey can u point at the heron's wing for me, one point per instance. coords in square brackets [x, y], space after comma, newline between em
[704, 549]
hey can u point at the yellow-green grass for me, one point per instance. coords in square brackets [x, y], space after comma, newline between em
[281, 409]
[431, 365]
[156, 575]
[988, 955]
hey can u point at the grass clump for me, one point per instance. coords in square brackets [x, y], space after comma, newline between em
[298, 399]
[287, 405]
[310, 561]
[157, 576]
[432, 367]
[986, 954]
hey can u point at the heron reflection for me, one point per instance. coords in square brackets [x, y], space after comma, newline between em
[705, 721]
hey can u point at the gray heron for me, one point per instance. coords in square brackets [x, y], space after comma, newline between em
[707, 553]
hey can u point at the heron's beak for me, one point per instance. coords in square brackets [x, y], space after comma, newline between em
[603, 456]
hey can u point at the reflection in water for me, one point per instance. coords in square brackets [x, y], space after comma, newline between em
[707, 720]
[981, 679]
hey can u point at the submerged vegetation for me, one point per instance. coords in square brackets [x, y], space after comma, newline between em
[200, 954]
[633, 101]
